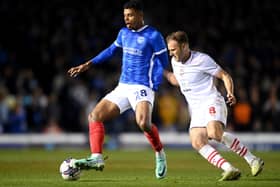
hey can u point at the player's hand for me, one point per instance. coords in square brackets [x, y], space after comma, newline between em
[73, 72]
[231, 100]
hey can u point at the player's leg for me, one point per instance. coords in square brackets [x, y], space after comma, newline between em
[109, 107]
[230, 140]
[199, 139]
[143, 114]
[103, 111]
[141, 99]
[234, 143]
[202, 114]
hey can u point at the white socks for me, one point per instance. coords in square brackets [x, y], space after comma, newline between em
[161, 153]
[236, 146]
[96, 155]
[213, 157]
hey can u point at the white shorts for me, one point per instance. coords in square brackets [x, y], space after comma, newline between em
[127, 96]
[212, 109]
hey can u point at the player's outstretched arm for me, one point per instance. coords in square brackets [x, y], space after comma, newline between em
[170, 77]
[228, 82]
[74, 71]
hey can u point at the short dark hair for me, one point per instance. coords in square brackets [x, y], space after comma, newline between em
[134, 4]
[179, 36]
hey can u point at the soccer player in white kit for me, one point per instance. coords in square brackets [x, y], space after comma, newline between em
[144, 55]
[194, 73]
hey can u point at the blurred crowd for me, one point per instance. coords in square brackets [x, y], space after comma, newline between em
[41, 40]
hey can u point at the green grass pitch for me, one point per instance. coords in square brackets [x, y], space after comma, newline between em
[39, 168]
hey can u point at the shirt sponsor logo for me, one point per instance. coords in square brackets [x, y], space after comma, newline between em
[132, 51]
[187, 90]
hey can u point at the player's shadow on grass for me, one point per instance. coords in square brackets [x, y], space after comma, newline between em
[108, 180]
[263, 180]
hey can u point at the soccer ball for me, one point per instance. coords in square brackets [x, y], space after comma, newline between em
[67, 171]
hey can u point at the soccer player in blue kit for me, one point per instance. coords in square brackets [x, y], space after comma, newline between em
[144, 55]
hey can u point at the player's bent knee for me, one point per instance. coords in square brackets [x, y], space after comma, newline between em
[144, 127]
[216, 136]
[93, 116]
[197, 145]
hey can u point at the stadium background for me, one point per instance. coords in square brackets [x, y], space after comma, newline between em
[41, 40]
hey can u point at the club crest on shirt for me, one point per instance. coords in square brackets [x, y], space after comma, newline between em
[212, 110]
[140, 39]
[182, 72]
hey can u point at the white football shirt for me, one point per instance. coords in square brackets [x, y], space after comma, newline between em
[196, 77]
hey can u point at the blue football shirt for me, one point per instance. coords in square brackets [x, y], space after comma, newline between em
[144, 55]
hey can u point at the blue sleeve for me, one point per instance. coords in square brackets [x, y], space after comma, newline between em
[118, 41]
[105, 54]
[163, 58]
[160, 49]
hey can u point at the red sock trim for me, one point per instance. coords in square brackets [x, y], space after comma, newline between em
[96, 136]
[154, 139]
